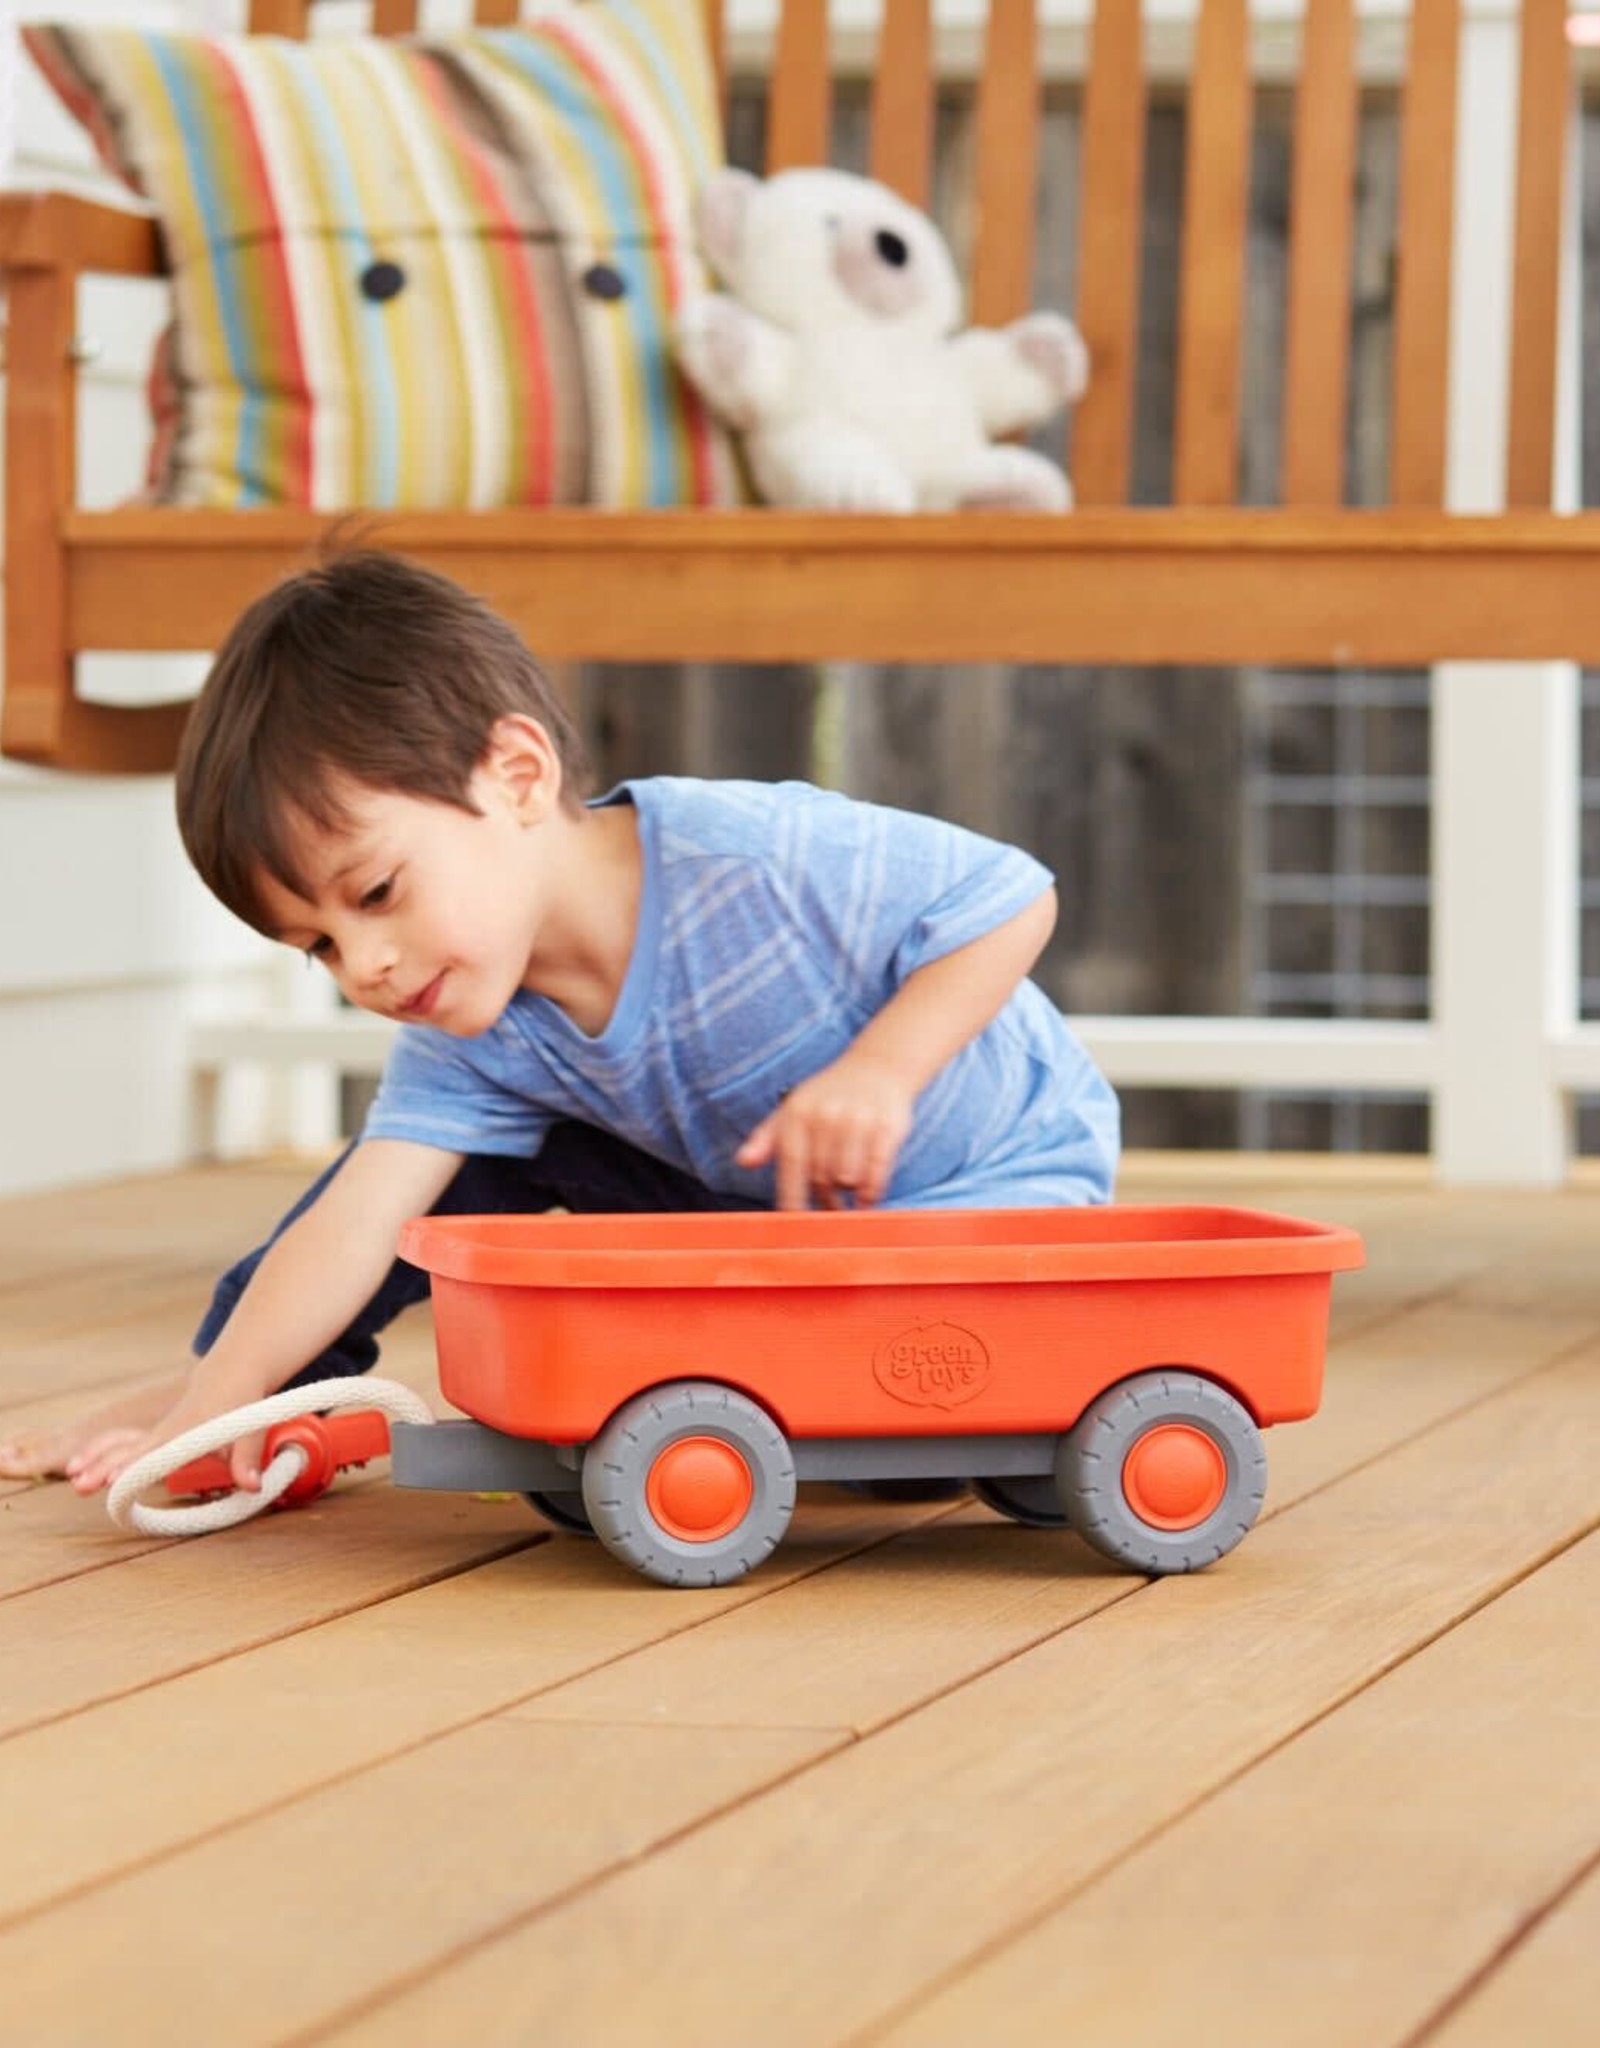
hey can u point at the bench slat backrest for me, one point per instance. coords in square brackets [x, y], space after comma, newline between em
[903, 100]
[1321, 252]
[1111, 222]
[1422, 291]
[1007, 160]
[1216, 213]
[1541, 167]
[278, 17]
[1215, 221]
[799, 107]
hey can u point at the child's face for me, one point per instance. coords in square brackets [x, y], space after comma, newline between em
[420, 911]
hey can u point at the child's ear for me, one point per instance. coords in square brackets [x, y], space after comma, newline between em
[523, 765]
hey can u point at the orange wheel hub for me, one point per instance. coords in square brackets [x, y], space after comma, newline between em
[1174, 1476]
[700, 1488]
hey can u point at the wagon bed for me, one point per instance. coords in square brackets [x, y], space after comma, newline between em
[874, 1346]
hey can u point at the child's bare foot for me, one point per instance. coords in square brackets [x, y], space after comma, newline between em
[44, 1453]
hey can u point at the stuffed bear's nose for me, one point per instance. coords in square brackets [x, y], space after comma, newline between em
[891, 248]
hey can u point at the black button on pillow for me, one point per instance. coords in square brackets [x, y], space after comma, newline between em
[382, 280]
[600, 281]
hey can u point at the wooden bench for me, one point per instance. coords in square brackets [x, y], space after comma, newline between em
[1310, 581]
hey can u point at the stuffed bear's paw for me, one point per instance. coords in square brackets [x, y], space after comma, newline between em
[716, 344]
[1051, 345]
[1010, 479]
[851, 483]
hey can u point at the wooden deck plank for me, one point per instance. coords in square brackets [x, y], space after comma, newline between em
[253, 1882]
[860, 1637]
[105, 1349]
[1003, 1588]
[559, 1797]
[441, 1657]
[1356, 1825]
[1436, 1355]
[83, 1258]
[502, 1806]
[146, 1217]
[165, 1612]
[1320, 1602]
[79, 1299]
[1406, 1377]
[1546, 1988]
[50, 1534]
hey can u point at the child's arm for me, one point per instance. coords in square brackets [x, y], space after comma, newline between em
[843, 1129]
[309, 1288]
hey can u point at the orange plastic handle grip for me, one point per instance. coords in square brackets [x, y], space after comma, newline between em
[331, 1443]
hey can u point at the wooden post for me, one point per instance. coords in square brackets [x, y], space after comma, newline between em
[1505, 744]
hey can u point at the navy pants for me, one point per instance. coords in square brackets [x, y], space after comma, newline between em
[578, 1168]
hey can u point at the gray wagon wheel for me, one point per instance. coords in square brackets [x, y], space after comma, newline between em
[1032, 1499]
[566, 1510]
[692, 1484]
[1164, 1472]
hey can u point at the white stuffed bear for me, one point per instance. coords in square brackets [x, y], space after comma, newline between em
[835, 354]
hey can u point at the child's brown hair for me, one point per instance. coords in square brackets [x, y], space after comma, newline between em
[368, 669]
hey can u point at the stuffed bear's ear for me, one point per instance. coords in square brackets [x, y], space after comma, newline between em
[719, 212]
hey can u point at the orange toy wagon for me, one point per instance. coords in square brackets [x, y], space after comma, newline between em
[667, 1380]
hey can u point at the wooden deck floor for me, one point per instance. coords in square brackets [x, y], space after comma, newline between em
[402, 1768]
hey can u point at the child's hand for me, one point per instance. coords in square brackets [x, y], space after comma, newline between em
[105, 1456]
[836, 1135]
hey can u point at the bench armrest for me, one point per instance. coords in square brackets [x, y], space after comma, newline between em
[49, 242]
[63, 231]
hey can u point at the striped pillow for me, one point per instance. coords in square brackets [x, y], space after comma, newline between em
[383, 294]
[613, 111]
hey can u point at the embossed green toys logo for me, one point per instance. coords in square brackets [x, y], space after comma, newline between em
[933, 1365]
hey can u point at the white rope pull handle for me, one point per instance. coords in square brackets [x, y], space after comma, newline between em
[129, 1512]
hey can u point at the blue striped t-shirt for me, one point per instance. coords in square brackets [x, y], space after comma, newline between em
[774, 921]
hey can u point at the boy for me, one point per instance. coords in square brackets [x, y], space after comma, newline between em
[681, 995]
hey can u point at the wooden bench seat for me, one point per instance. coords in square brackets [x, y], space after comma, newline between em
[1202, 580]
